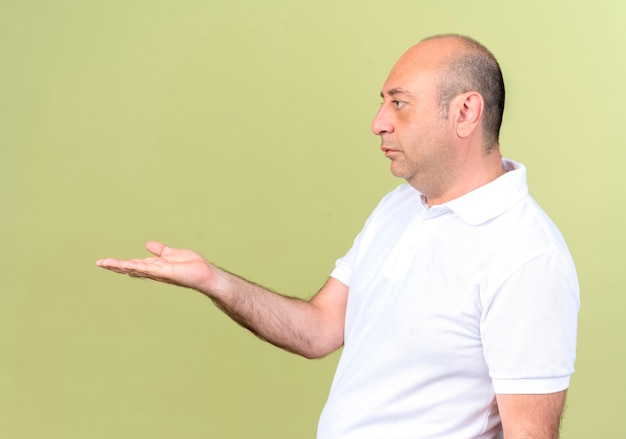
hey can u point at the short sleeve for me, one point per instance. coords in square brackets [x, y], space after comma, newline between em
[529, 325]
[344, 266]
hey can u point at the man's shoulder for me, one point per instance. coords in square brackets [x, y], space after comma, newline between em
[534, 221]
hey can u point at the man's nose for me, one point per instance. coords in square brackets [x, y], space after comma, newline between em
[382, 122]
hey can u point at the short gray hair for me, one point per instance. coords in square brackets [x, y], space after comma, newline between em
[473, 68]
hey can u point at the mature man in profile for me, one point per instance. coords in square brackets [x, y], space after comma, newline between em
[457, 303]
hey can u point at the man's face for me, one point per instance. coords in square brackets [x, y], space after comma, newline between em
[413, 135]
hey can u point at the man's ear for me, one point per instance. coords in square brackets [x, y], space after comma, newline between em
[469, 110]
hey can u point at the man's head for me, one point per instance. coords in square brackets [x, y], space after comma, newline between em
[440, 116]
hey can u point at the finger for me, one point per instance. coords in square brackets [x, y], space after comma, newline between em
[117, 270]
[133, 273]
[107, 262]
[120, 265]
[132, 268]
[142, 272]
[156, 248]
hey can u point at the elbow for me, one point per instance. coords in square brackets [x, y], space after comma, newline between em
[314, 355]
[319, 351]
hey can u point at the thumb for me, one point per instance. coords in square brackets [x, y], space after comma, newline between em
[156, 248]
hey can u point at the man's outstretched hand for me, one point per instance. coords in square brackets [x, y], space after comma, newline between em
[170, 265]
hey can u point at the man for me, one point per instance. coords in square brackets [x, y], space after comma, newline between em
[457, 303]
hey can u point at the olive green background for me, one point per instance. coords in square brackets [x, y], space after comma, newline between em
[241, 129]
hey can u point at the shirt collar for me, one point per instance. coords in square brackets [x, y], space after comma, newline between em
[494, 198]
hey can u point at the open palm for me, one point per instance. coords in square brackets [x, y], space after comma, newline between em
[170, 265]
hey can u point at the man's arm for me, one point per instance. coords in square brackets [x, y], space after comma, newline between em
[531, 416]
[311, 328]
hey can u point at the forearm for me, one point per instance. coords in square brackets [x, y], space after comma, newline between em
[296, 325]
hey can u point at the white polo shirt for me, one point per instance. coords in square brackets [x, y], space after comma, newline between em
[448, 306]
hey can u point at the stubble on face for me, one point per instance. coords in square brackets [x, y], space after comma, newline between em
[419, 146]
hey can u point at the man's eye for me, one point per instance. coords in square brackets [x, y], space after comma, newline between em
[398, 104]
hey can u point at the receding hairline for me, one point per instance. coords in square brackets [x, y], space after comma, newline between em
[453, 47]
[466, 42]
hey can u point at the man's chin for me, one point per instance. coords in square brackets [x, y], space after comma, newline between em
[397, 170]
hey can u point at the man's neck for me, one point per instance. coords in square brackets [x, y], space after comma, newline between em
[470, 176]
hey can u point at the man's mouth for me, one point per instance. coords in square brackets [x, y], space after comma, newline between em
[387, 150]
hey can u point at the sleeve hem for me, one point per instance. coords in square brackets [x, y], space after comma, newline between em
[341, 273]
[531, 386]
